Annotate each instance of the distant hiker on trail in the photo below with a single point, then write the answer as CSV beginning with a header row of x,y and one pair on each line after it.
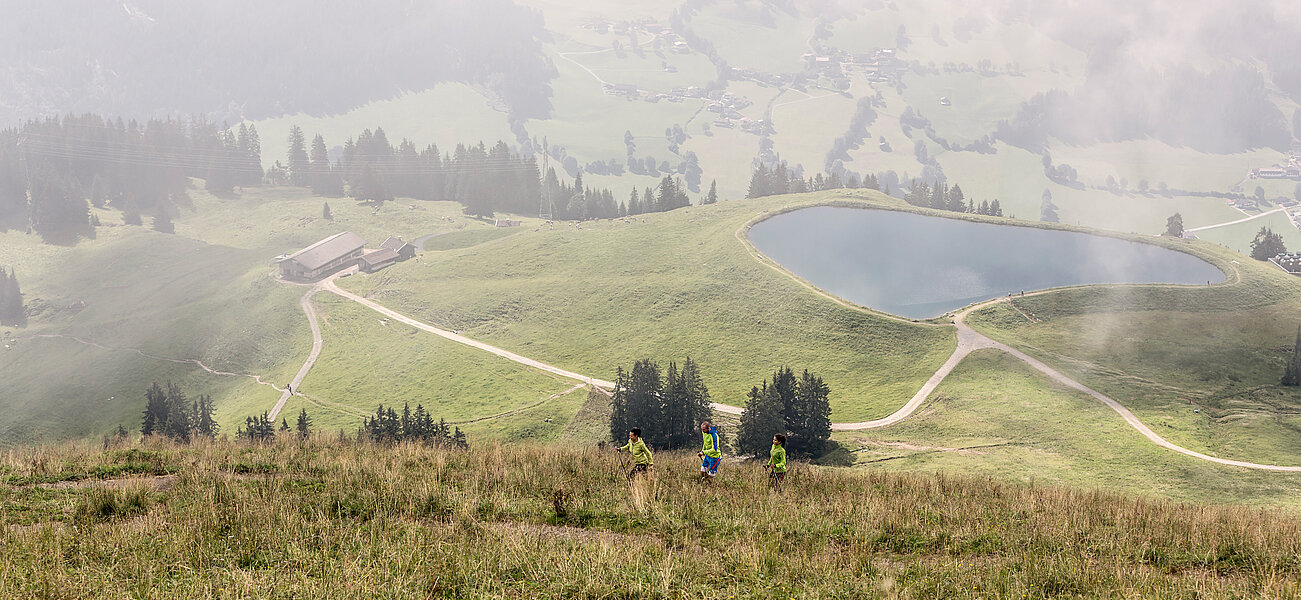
x,y
710,453
776,466
642,461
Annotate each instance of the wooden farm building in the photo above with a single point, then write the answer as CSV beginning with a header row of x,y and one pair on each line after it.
x,y
324,257
404,249
374,261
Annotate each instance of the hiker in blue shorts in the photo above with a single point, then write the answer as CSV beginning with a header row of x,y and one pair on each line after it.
x,y
710,453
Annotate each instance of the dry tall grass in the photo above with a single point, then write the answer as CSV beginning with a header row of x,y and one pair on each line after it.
x,y
324,519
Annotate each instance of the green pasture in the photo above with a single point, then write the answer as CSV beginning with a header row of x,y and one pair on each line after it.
x,y
590,124
743,38
1155,162
647,71
598,296
367,360
994,416
1199,365
808,124
1016,178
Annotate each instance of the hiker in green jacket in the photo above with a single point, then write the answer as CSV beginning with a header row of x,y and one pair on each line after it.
x,y
776,466
710,454
642,461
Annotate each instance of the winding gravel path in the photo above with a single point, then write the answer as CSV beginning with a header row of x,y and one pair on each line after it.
x,y
317,342
969,340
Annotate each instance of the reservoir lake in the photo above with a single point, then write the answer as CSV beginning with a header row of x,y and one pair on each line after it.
x,y
919,267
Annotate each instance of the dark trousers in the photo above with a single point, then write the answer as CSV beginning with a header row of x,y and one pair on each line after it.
x,y
637,470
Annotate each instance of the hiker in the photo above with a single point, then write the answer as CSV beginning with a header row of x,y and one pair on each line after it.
x,y
642,461
710,454
776,466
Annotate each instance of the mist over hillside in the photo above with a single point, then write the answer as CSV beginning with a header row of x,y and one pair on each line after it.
x,y
483,209
236,59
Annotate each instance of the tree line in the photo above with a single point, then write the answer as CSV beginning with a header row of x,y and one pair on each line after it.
x,y
669,405
779,179
942,197
387,426
765,181
485,180
262,428
11,299
53,171
168,413
666,405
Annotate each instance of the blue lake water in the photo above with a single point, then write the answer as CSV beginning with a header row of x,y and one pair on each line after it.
x,y
920,267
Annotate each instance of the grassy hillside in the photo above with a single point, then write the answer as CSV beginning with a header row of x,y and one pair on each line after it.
x,y
133,306
327,519
994,416
1199,365
594,296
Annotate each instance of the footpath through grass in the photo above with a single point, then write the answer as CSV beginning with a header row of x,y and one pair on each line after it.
x,y
324,519
995,416
1199,365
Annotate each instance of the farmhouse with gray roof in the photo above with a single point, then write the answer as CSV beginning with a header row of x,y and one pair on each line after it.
x,y
326,256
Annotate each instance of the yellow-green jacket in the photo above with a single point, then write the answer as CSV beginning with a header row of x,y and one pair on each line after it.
x,y
777,459
710,444
641,455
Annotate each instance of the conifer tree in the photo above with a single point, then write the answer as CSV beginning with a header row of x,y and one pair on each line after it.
x,y
178,423
712,196
304,425
810,420
995,209
1048,210
1267,244
759,184
204,423
163,221
12,311
284,424
761,419
325,212
300,166
1292,375
155,417
638,401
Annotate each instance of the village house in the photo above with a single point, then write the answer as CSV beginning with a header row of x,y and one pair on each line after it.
x,y
336,252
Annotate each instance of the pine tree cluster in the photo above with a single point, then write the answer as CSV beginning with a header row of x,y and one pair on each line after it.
x,y
11,300
1267,244
781,180
257,429
167,413
387,426
797,407
132,167
668,408
942,197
